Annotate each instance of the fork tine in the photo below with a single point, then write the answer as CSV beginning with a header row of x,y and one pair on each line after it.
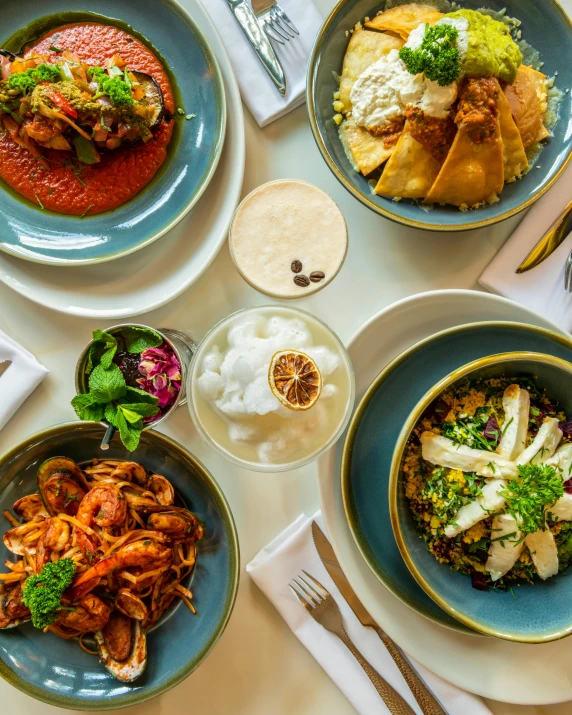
x,y
324,591
314,600
277,29
567,272
272,34
300,598
319,596
277,19
287,20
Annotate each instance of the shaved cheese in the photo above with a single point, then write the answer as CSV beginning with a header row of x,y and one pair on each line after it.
x,y
446,453
506,546
544,444
562,460
487,502
543,552
516,406
562,509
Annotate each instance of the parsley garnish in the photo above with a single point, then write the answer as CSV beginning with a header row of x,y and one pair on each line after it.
x,y
437,56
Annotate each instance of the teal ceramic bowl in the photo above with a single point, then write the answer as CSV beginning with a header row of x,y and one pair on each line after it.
x,y
544,25
59,672
29,232
540,612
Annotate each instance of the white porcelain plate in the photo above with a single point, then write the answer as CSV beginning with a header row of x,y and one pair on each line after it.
x,y
155,275
493,668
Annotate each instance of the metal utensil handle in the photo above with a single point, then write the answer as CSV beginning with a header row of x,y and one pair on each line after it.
x,y
395,703
427,701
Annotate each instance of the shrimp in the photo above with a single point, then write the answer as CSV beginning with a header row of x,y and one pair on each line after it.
x,y
105,506
54,539
90,615
140,554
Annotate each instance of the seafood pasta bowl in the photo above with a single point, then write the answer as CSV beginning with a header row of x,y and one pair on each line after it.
x,y
481,495
443,116
112,123
138,554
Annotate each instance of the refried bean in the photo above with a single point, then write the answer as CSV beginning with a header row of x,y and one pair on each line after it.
x,y
73,188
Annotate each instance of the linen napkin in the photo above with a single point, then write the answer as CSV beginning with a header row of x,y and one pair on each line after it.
x,y
542,287
282,560
17,382
257,89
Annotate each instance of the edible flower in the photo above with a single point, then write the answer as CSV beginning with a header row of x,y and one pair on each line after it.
x,y
161,373
437,56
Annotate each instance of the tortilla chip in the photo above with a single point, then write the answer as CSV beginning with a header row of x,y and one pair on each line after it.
x,y
515,160
472,173
528,100
364,49
403,18
368,151
410,172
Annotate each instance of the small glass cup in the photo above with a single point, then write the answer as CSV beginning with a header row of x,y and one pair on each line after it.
x,y
181,344
208,421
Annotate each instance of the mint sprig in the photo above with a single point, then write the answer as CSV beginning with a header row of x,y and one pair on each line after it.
x,y
109,397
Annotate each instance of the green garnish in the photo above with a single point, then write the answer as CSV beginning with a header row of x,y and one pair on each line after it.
x,y
43,592
88,209
190,116
109,396
26,81
53,48
437,56
469,430
40,204
447,496
539,486
116,88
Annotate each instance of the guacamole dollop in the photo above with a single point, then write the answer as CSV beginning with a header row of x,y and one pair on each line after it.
x,y
491,50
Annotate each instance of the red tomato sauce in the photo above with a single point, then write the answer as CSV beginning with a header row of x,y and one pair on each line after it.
x,y
75,188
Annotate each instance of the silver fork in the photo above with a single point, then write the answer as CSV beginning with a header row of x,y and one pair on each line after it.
x,y
323,609
274,20
568,274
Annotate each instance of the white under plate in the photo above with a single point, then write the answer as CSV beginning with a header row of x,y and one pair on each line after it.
x,y
155,275
493,668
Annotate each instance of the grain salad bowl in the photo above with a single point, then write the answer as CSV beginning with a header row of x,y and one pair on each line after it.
x,y
522,612
547,28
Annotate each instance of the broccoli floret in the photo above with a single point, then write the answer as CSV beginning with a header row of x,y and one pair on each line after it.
x,y
437,57
116,88
26,81
43,592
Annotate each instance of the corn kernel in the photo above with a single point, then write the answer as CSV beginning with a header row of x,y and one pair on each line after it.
x,y
337,95
338,118
338,106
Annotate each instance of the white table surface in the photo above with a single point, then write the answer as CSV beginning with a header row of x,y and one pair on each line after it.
x,y
258,667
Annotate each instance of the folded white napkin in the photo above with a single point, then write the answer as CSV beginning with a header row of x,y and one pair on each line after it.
x,y
282,560
17,381
257,89
542,287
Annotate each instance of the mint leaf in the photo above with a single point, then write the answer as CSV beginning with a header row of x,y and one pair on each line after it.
x,y
129,434
132,417
139,339
107,357
141,409
111,414
135,395
102,350
86,408
107,385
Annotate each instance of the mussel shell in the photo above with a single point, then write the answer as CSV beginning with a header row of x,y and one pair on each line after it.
x,y
130,604
64,469
5,621
30,506
153,95
130,669
184,525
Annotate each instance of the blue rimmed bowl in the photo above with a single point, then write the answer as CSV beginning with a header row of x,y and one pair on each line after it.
x,y
545,26
29,232
372,498
59,672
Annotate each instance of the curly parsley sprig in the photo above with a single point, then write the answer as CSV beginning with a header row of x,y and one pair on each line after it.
x,y
437,56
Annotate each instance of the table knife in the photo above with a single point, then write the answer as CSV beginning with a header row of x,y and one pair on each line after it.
x,y
259,41
427,701
555,235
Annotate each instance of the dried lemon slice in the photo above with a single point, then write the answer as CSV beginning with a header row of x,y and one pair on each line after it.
x,y
295,379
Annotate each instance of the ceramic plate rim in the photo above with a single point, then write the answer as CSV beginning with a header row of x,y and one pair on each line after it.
x,y
235,114
386,609
221,99
140,696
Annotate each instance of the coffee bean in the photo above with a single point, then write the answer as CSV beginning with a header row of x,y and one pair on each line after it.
x,y
302,281
296,266
317,276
